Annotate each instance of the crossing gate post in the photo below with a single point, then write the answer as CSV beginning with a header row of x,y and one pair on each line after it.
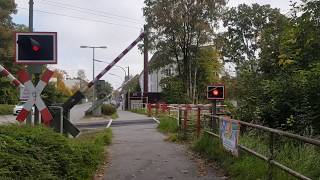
x,y
57,123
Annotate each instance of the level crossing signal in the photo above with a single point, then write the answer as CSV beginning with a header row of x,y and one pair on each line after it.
x,y
215,92
36,48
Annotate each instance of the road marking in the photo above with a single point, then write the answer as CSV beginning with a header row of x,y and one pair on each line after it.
x,y
156,120
109,124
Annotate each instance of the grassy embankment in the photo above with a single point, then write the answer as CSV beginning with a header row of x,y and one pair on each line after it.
x,y
40,153
6,109
300,157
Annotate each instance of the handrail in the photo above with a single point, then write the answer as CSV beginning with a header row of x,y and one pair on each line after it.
x,y
276,131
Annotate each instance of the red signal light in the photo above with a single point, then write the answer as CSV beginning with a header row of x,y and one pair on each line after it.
x,y
215,92
35,48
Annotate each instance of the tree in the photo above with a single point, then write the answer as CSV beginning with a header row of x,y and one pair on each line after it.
x,y
241,42
81,75
278,71
59,74
178,29
9,95
132,85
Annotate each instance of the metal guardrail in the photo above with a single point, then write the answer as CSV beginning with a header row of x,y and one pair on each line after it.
x,y
271,162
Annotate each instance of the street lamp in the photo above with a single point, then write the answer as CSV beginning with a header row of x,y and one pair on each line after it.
x,y
124,70
93,50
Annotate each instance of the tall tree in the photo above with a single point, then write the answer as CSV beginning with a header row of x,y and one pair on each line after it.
x,y
241,43
178,28
9,95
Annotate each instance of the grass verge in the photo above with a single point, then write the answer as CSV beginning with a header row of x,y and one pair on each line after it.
x,y
301,158
40,153
139,111
115,116
6,109
169,126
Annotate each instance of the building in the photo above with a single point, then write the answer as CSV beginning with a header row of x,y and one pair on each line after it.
x,y
156,75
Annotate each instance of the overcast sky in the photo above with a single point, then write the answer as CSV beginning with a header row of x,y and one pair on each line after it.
x,y
111,23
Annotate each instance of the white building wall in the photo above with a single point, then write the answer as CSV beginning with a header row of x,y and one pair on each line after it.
x,y
155,78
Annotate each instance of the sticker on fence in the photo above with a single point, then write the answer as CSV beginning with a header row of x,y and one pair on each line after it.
x,y
229,132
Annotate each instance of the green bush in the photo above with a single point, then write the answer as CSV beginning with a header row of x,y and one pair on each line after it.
x,y
40,153
6,109
108,109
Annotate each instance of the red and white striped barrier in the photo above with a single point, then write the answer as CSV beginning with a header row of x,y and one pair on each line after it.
x,y
105,70
35,97
4,72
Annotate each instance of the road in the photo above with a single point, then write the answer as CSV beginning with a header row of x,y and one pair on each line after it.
x,y
76,114
139,152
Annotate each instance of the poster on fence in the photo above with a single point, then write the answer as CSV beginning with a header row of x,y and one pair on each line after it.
x,y
229,133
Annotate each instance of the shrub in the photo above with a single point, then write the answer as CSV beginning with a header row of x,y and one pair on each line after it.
x,y
108,109
6,109
40,153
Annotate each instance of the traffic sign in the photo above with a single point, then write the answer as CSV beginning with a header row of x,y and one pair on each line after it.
x,y
215,92
34,97
36,48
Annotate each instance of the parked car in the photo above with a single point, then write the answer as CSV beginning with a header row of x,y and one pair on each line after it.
x,y
18,108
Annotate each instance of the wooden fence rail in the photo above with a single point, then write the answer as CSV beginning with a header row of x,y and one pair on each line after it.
x,y
184,113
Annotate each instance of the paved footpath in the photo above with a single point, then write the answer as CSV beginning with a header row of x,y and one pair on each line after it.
x,y
139,152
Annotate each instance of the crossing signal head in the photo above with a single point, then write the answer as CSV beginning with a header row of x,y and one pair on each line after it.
x,y
215,92
35,45
36,48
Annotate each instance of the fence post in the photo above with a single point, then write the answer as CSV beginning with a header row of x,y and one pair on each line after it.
x,y
169,110
179,118
149,109
198,122
271,151
185,119
157,109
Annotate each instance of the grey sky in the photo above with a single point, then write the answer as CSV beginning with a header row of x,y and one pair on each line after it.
x,y
117,28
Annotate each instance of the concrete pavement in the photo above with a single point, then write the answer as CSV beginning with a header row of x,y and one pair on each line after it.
x,y
139,152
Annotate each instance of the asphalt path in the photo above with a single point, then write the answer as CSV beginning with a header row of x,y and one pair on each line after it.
x,y
76,114
139,151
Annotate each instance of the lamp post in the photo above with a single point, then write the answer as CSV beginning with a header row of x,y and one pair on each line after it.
x,y
93,51
123,69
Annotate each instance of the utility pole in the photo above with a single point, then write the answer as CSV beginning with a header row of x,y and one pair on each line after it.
x,y
94,85
145,63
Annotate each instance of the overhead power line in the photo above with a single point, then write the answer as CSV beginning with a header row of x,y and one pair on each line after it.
x,y
80,18
92,10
